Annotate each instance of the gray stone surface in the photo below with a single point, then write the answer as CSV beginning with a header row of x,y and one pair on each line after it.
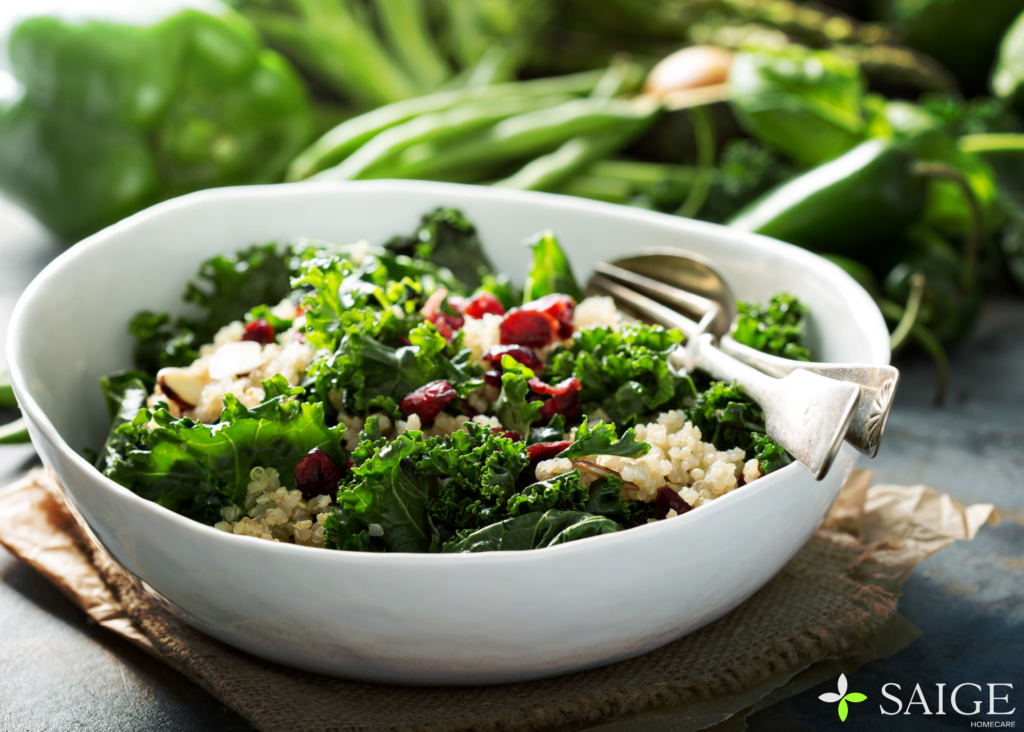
x,y
59,672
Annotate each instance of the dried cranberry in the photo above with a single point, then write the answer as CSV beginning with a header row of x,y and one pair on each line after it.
x,y
528,328
546,450
521,354
509,434
741,481
259,330
493,378
445,323
564,399
427,401
481,304
668,499
560,307
316,474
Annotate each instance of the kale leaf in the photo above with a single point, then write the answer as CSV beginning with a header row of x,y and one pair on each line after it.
x,y
606,500
477,472
769,454
553,431
125,394
195,469
343,531
512,407
446,238
776,328
624,372
601,440
225,288
564,492
726,416
531,531
551,272
388,490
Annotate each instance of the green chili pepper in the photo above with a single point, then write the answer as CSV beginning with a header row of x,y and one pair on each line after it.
x,y
116,116
854,205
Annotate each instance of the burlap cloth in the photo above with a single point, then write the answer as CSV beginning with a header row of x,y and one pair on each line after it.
x,y
828,602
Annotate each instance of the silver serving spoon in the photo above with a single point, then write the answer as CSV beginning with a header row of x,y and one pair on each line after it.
x,y
690,283
806,413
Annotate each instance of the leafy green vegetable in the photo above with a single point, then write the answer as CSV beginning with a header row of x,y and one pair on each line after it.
x,y
512,408
370,375
125,394
623,372
553,431
477,472
531,531
606,500
564,492
601,440
343,531
225,288
726,416
551,272
807,104
195,469
777,328
387,489
502,288
447,238
1008,75
769,454
746,171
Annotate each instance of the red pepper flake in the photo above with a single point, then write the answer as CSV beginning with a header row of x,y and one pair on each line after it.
x,y
558,306
528,328
427,401
317,474
259,330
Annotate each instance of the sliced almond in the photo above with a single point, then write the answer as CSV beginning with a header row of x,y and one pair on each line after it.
x,y
181,385
234,359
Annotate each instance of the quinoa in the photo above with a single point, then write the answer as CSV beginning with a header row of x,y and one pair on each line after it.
x,y
274,513
696,470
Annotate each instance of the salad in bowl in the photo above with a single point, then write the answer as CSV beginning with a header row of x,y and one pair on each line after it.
x,y
405,397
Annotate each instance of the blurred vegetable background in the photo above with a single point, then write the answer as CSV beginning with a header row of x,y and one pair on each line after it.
x,y
886,135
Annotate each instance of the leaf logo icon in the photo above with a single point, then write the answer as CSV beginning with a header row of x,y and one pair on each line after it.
x,y
842,697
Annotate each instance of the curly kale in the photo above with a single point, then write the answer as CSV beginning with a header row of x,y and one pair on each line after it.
x,y
769,454
777,328
532,531
726,416
447,239
601,440
225,289
197,469
477,473
624,372
513,409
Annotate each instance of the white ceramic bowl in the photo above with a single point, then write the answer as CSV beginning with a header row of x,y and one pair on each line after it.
x,y
409,618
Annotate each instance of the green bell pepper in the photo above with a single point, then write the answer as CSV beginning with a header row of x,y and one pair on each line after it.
x,y
114,117
853,205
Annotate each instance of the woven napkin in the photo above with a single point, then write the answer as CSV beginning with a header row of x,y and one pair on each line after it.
x,y
829,602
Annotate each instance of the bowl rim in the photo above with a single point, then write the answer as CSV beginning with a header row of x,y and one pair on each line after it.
x,y
877,338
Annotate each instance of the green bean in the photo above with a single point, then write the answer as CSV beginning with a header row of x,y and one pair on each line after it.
x,y
639,173
349,136
342,50
438,127
612,190
14,433
549,171
7,400
405,25
525,135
